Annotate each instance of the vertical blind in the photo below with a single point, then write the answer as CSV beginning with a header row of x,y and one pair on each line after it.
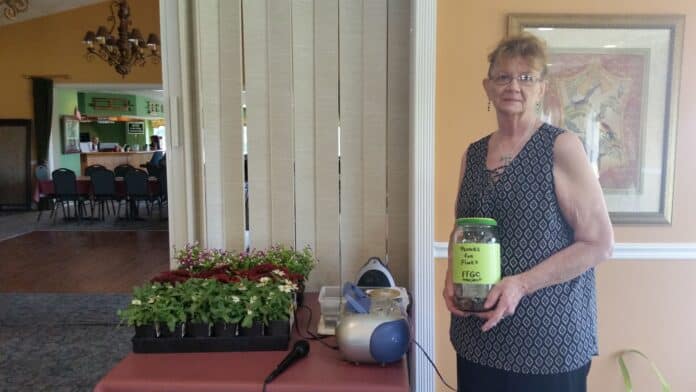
x,y
316,92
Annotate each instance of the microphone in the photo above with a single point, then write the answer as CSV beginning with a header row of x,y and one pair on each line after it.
x,y
299,351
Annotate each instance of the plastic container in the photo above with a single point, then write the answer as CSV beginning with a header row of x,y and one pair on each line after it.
x,y
475,262
330,302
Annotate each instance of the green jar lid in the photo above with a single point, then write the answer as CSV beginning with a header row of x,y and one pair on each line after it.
x,y
477,221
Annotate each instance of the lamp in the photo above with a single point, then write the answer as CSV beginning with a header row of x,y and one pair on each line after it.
x,y
128,48
12,7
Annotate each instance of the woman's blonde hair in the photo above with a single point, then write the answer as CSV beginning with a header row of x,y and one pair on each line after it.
x,y
524,45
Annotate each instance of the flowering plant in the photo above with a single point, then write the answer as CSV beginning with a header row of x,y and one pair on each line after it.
x,y
227,304
194,258
157,303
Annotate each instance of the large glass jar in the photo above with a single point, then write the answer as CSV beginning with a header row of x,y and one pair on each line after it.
x,y
475,262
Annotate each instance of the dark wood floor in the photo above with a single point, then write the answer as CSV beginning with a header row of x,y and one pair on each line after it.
x,y
82,261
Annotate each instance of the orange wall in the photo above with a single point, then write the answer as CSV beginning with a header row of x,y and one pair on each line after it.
x,y
642,304
53,45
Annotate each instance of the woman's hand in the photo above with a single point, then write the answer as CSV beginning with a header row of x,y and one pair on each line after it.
x,y
505,296
448,294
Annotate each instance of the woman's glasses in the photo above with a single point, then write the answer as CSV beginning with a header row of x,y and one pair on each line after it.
x,y
522,80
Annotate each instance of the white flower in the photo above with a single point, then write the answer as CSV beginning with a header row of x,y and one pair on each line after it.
x,y
151,300
278,272
241,287
136,302
252,299
235,299
265,279
250,312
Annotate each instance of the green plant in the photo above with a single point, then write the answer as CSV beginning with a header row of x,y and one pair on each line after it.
x,y
157,303
196,295
140,310
227,303
299,262
277,299
252,299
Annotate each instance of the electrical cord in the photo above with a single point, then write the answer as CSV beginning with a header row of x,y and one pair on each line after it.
x,y
404,314
433,365
311,336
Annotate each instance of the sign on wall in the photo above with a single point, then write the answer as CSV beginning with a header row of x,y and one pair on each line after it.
x,y
136,128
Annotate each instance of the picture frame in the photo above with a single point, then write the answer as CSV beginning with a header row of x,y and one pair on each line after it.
x,y
70,134
614,81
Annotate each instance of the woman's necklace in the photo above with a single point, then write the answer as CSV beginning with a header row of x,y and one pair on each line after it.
x,y
507,157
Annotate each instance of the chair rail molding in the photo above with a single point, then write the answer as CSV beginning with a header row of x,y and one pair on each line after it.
x,y
625,251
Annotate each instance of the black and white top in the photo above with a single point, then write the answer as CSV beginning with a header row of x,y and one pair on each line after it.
x,y
553,330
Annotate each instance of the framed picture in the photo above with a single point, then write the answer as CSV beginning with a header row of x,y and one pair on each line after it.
x,y
70,129
614,81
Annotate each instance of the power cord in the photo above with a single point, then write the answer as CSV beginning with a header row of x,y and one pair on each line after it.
x,y
404,314
311,336
433,365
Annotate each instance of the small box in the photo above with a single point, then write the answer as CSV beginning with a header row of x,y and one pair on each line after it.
x,y
330,301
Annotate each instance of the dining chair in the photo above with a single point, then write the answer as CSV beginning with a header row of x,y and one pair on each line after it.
x,y
65,192
92,168
123,169
103,191
137,190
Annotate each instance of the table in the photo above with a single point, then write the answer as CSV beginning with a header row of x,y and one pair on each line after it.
x,y
322,370
84,187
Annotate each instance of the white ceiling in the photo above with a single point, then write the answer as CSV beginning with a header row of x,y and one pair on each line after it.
x,y
39,8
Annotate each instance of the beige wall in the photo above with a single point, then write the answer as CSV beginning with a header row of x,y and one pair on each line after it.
x,y
53,45
642,304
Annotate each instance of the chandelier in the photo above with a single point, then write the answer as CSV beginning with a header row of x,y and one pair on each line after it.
x,y
125,50
13,7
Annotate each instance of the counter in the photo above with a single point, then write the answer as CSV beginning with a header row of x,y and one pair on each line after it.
x,y
112,159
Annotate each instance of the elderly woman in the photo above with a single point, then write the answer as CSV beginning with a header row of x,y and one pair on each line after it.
x,y
535,180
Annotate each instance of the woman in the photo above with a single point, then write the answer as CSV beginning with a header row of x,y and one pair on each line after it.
x,y
536,181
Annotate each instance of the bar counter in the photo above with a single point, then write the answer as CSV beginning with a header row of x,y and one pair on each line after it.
x,y
112,159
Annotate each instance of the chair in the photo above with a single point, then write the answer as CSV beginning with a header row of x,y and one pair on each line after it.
x,y
92,168
162,195
137,189
65,191
122,170
46,201
103,190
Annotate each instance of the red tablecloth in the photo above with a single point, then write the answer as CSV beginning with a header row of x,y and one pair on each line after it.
x,y
84,187
322,370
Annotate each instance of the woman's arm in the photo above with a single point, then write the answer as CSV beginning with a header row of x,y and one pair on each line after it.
x,y
582,205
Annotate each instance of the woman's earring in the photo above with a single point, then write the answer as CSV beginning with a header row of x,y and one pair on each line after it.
x,y
489,106
538,107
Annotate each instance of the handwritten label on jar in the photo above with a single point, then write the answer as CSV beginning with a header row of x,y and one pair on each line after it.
x,y
476,263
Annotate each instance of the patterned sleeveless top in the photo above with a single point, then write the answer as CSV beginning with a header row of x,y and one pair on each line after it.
x,y
553,330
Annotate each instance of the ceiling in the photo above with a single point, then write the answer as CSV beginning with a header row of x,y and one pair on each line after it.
x,y
39,8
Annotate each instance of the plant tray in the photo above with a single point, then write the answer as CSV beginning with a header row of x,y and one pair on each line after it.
x,y
210,344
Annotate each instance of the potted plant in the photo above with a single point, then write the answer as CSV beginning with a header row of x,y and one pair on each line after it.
x,y
227,308
252,319
277,305
140,313
196,296
155,305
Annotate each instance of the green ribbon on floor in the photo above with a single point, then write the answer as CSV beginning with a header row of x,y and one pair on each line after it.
x,y
627,376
